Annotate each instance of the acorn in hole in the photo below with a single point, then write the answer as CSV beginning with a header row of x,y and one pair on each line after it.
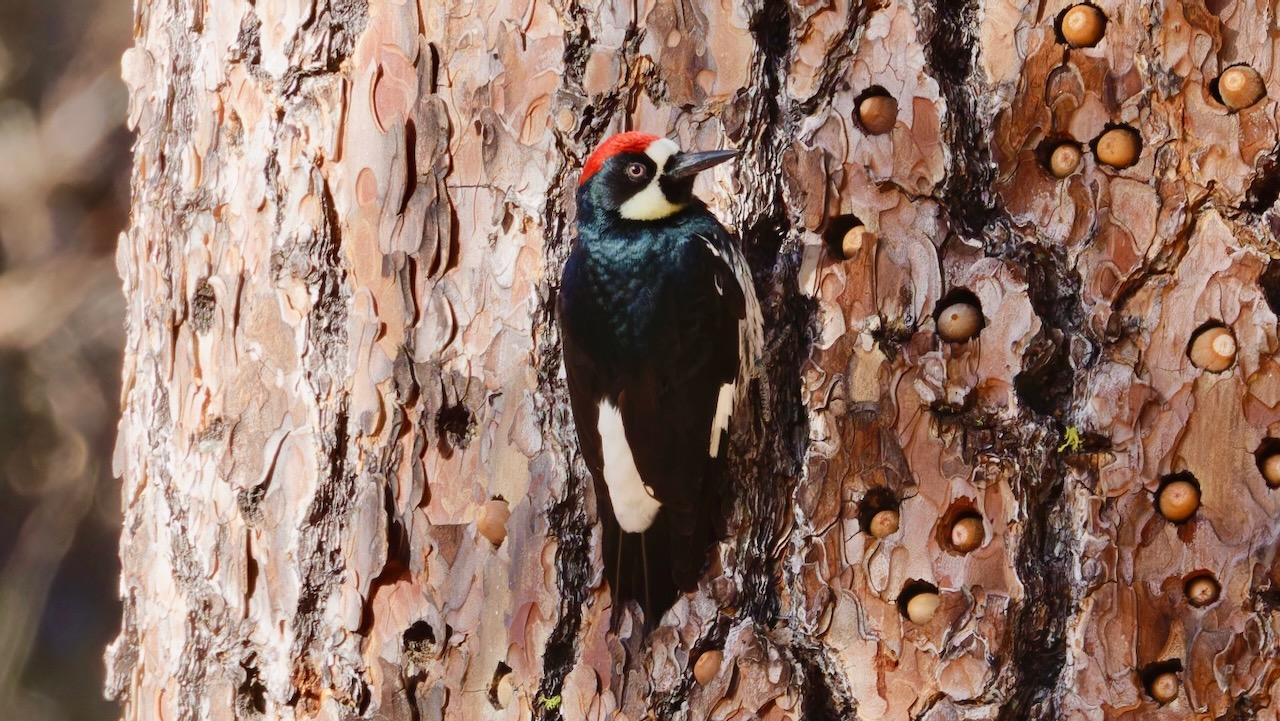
x,y
1213,349
503,691
1118,147
1271,470
1202,590
855,240
1064,160
1178,500
967,534
1164,687
1240,86
884,523
707,665
1082,26
959,322
878,113
922,606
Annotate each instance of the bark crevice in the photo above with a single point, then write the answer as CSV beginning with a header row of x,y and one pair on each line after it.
x,y
567,519
948,27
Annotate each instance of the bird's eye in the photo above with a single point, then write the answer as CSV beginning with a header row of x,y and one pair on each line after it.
x,y
637,170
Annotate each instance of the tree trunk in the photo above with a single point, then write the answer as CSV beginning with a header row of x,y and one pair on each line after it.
x,y
342,367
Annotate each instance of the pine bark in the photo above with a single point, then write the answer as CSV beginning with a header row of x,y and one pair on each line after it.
x,y
342,365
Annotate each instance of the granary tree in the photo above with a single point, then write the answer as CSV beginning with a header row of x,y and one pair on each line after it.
x,y
1015,261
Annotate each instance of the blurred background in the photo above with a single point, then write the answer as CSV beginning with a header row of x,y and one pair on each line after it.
x,y
64,194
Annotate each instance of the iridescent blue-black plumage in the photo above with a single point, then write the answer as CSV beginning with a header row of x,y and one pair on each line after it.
x,y
659,321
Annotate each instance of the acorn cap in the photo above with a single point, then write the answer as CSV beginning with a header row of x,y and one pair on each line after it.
x,y
1240,86
1083,26
878,113
1178,500
959,322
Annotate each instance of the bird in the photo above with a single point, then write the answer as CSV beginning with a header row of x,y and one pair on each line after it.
x,y
662,337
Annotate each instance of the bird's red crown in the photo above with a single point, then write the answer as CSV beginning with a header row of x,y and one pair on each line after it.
x,y
629,142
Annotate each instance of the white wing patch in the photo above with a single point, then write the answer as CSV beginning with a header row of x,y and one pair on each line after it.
x,y
633,502
751,328
724,409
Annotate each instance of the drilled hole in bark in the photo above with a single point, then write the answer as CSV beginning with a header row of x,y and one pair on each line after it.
x,y
961,530
833,236
203,301
878,501
1080,26
1212,347
1178,497
1060,156
877,110
1267,456
419,643
1160,680
958,316
455,423
918,601
1201,589
500,687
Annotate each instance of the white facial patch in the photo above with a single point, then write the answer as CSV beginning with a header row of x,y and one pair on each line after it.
x,y
660,151
724,409
651,203
633,503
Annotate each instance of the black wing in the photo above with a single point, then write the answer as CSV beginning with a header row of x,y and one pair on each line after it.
x,y
668,389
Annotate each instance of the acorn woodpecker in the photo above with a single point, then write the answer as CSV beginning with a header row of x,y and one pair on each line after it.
x,y
662,337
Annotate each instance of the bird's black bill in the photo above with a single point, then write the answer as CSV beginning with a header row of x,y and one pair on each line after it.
x,y
685,164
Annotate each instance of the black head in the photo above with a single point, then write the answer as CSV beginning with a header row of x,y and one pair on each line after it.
x,y
640,176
